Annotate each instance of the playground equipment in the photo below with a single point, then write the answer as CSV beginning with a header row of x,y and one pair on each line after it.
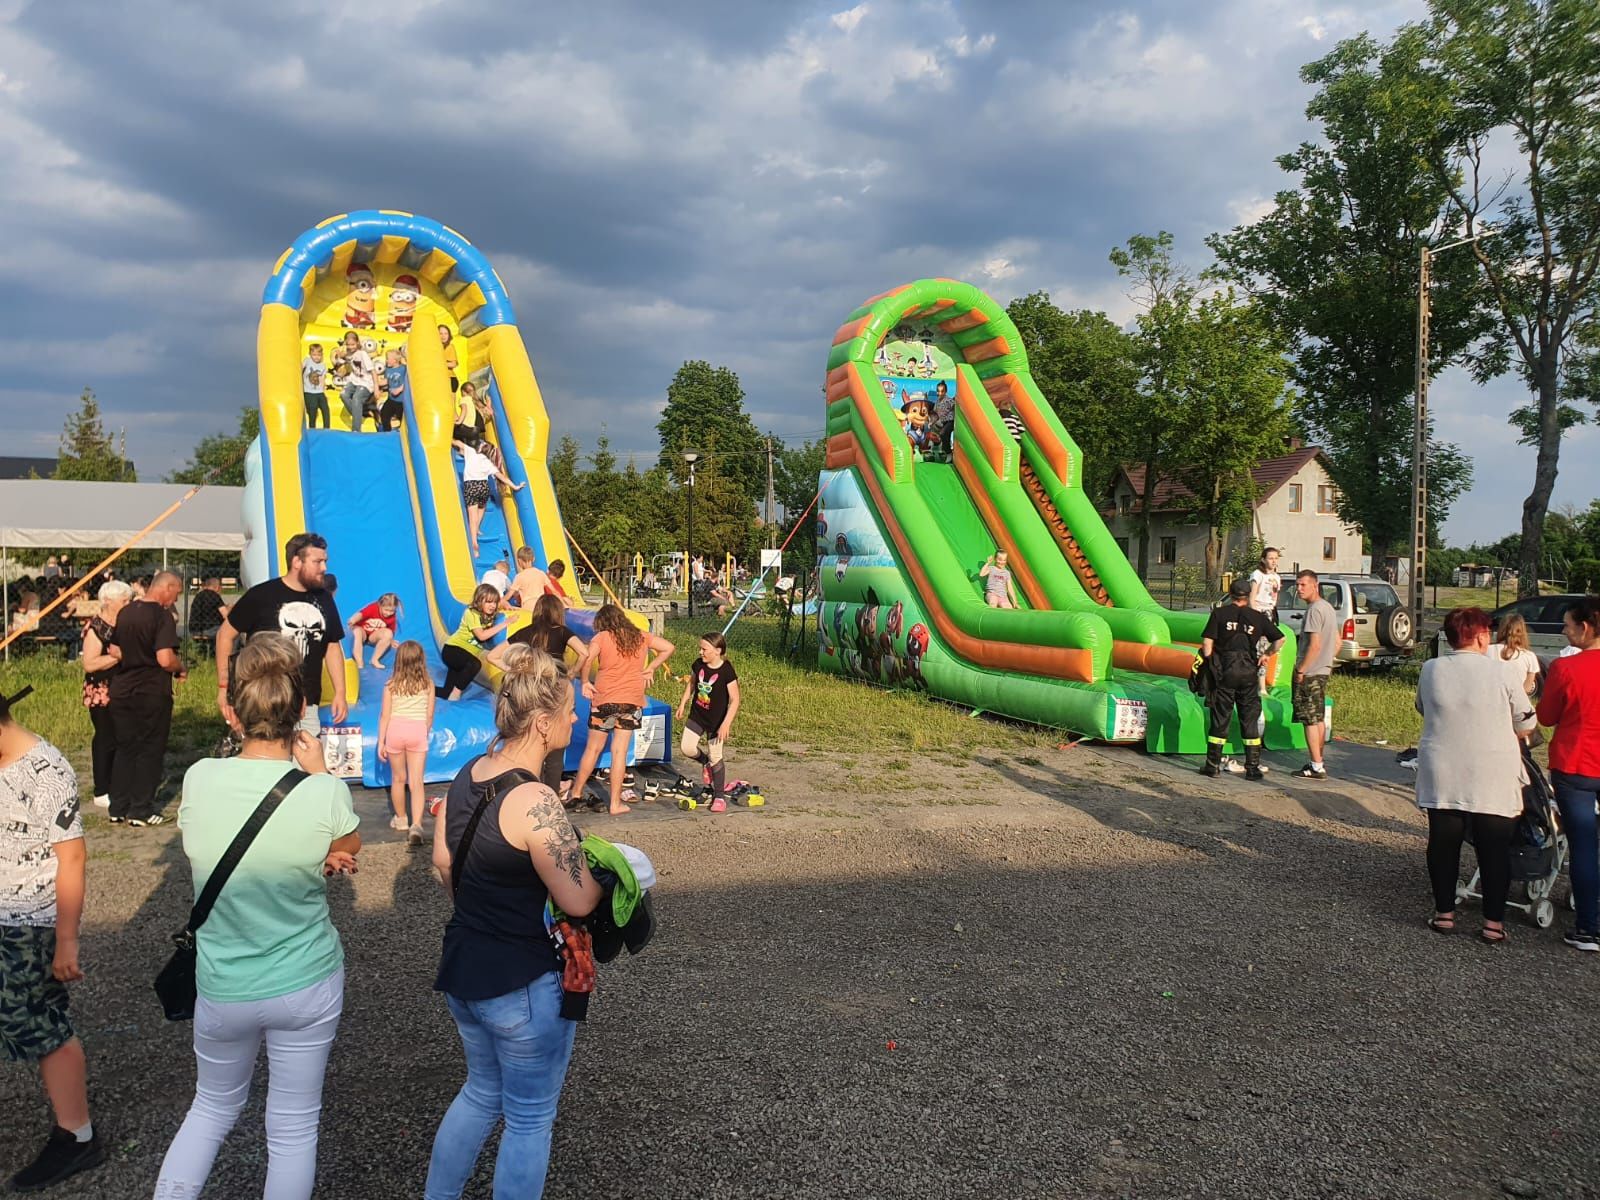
x,y
903,530
389,504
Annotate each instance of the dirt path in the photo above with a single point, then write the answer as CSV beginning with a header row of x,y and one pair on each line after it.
x,y
1081,972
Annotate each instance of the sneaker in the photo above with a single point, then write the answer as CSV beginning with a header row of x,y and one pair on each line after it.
x,y
1311,771
718,805
158,819
433,805
414,836
135,823
399,824
63,1155
1579,940
1232,766
118,820
102,801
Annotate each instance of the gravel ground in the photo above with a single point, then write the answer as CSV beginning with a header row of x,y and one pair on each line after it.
x,y
1077,973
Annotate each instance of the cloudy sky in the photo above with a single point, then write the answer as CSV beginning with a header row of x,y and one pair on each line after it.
x,y
710,179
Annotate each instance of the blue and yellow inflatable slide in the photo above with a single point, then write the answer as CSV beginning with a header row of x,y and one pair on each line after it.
x,y
411,293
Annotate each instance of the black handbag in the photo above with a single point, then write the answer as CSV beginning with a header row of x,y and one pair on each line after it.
x,y
175,985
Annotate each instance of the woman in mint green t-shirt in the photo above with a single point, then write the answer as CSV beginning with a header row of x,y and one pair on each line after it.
x,y
270,965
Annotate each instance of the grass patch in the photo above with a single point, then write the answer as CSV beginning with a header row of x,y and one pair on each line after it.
x,y
785,700
55,712
1376,705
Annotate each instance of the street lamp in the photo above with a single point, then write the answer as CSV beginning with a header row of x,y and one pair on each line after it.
x,y
1419,428
690,457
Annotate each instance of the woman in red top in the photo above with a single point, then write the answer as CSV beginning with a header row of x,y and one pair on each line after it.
x,y
1571,704
622,652
376,623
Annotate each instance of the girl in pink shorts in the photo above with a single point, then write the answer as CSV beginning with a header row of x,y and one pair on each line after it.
x,y
403,729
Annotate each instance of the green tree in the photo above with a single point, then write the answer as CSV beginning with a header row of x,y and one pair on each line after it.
x,y
724,517
795,477
219,458
1088,369
565,481
705,411
1477,76
1232,406
1164,292
87,450
1334,266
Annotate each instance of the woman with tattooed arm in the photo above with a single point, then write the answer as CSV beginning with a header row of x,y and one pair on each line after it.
x,y
502,845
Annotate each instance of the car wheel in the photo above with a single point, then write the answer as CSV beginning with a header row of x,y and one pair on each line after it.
x,y
1395,629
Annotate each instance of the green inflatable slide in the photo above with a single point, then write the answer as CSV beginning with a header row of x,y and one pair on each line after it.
x,y
941,455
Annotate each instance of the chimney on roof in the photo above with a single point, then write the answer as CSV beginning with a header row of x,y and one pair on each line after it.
x,y
1293,442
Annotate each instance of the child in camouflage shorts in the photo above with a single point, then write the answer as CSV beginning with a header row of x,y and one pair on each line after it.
x,y
41,901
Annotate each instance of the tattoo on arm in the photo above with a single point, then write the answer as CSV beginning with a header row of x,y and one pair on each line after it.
x,y
561,840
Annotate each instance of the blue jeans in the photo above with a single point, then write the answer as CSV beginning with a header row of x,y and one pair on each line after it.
x,y
517,1046
1575,797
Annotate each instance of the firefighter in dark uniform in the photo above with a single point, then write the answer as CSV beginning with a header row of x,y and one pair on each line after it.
x,y
1229,648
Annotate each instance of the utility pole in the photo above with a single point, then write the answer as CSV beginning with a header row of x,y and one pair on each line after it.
x,y
1419,428
1419,445
772,532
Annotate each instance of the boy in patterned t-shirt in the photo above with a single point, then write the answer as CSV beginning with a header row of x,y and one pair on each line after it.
x,y
41,902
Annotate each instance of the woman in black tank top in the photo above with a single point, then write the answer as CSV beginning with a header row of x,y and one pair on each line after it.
x,y
503,846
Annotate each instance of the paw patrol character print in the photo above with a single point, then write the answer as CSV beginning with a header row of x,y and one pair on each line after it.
x,y
360,295
895,621
403,299
914,414
916,650
867,633
823,643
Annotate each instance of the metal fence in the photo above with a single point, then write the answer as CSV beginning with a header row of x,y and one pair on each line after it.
x,y
781,623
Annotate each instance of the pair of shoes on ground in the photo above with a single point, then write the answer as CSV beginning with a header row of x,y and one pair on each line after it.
x,y
139,822
63,1155
1580,940
414,836
1235,766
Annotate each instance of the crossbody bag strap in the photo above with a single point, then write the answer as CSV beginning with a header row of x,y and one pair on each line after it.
x,y
241,843
458,860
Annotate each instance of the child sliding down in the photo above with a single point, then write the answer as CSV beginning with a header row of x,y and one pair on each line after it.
x,y
709,705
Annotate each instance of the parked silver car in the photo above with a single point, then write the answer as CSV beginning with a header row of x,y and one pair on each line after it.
x,y
1544,616
1375,627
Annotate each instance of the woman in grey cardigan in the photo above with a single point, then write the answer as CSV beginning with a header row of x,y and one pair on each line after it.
x,y
1469,768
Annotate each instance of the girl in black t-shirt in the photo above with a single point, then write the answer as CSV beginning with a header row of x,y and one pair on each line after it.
x,y
709,705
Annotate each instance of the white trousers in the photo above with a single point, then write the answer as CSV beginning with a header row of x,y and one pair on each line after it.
x,y
298,1029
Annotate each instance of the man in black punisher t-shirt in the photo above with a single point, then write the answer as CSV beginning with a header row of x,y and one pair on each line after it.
x,y
1229,646
298,607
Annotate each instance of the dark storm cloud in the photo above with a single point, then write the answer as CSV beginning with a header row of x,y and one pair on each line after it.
x,y
715,179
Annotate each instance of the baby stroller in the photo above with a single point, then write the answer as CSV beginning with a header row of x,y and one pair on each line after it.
x,y
1538,849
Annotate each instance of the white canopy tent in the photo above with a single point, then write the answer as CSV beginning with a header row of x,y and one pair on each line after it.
x,y
60,514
